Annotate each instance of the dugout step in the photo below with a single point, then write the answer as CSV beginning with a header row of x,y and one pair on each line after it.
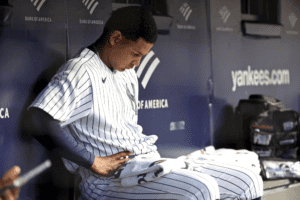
x,y
281,189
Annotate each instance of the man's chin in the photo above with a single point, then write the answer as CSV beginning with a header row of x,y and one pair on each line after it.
x,y
121,69
129,67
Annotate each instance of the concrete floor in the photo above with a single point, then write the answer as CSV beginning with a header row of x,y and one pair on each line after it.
x,y
281,190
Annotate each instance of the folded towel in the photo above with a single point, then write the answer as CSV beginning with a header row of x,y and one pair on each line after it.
x,y
138,171
242,158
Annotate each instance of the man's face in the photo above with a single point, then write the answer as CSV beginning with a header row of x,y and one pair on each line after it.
x,y
127,54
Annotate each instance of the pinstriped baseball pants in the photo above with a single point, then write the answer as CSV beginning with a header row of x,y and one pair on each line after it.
x,y
208,182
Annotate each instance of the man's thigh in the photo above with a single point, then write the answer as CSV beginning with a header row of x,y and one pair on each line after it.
x,y
182,184
234,181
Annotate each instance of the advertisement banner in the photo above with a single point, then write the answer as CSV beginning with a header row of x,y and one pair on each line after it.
x,y
225,16
86,20
290,15
38,14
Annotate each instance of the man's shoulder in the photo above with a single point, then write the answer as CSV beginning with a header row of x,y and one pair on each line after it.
x,y
84,57
80,61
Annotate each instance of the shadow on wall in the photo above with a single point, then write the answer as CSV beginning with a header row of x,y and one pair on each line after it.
x,y
55,182
225,127
57,179
298,105
199,123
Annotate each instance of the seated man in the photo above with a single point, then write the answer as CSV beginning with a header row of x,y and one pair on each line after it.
x,y
88,115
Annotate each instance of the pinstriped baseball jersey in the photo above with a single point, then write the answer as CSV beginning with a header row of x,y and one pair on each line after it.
x,y
97,106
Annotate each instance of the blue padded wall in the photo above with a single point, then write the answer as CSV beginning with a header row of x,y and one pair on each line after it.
x,y
237,58
197,61
180,79
33,46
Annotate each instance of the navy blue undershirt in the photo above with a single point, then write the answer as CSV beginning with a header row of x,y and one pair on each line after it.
x,y
53,137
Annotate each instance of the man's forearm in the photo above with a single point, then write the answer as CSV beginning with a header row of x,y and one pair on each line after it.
x,y
52,136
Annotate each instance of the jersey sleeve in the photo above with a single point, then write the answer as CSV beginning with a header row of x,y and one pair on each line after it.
x,y
68,97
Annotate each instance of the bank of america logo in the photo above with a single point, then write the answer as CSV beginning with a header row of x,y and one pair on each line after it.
x,y
293,19
150,70
90,5
186,11
38,4
225,14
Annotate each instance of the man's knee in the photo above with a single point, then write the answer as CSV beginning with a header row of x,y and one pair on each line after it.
x,y
255,184
204,186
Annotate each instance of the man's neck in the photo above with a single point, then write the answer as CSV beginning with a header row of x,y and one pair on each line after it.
x,y
101,52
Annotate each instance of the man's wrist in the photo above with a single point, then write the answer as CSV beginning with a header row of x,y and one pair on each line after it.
x,y
92,161
93,166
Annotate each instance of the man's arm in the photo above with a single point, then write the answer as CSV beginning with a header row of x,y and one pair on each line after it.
x,y
53,137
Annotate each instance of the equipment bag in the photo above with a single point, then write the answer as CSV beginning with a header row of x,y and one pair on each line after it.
x,y
276,168
246,110
274,134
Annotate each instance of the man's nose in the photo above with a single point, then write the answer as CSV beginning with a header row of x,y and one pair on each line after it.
x,y
136,62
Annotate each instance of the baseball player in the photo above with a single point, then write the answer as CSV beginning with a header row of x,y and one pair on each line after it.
x,y
88,115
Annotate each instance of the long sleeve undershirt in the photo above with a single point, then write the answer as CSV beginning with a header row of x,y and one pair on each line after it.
x,y
53,137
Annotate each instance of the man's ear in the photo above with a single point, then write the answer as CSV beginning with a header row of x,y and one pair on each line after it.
x,y
115,37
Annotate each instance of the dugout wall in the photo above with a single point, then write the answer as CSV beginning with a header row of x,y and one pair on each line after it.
x,y
253,52
190,82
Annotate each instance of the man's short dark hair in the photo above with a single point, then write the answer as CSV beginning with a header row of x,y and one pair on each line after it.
x,y
133,22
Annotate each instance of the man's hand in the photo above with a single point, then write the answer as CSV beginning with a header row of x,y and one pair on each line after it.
x,y
107,166
8,178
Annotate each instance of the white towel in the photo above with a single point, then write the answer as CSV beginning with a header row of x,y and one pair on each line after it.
x,y
145,168
138,170
242,158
